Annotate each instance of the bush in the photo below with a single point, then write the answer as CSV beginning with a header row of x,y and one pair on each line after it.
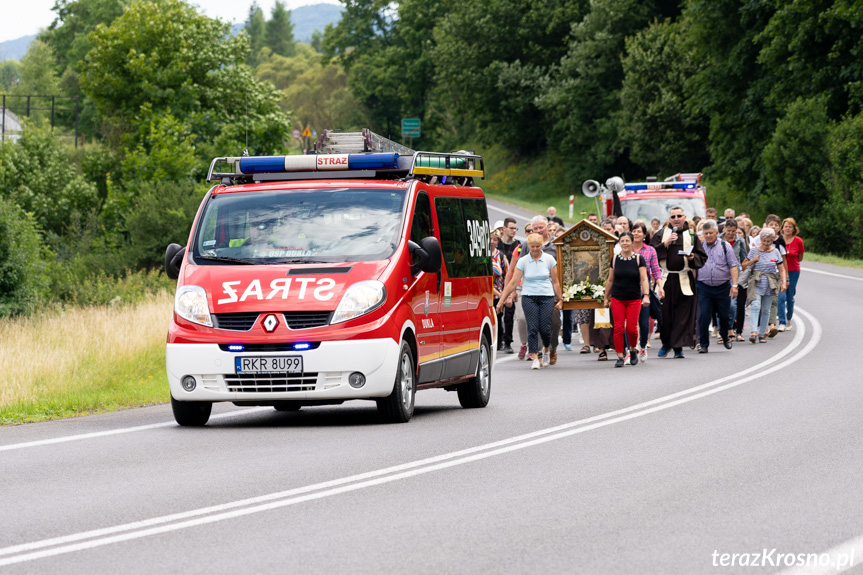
x,y
22,269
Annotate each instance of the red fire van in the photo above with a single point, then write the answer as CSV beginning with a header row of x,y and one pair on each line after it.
x,y
360,272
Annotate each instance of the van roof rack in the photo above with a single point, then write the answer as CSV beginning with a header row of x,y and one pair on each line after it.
x,y
362,154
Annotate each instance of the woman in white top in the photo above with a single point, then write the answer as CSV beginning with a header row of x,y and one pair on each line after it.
x,y
540,297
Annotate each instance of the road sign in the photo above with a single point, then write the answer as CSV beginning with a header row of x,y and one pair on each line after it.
x,y
295,134
307,133
410,127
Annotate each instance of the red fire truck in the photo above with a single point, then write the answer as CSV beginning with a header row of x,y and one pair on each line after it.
x,y
362,271
651,198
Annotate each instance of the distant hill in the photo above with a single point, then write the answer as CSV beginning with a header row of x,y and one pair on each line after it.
x,y
306,20
15,49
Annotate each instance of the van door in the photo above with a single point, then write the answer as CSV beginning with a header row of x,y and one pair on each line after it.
x,y
464,234
425,299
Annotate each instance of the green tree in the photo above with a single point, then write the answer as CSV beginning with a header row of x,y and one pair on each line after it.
x,y
36,174
38,73
280,31
581,94
796,159
10,73
164,54
839,226
731,87
814,47
68,34
22,267
488,62
256,28
663,134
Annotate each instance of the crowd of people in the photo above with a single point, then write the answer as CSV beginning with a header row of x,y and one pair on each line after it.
x,y
685,281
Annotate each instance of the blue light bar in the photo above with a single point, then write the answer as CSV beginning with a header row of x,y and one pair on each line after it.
x,y
659,186
298,346
236,347
261,164
373,161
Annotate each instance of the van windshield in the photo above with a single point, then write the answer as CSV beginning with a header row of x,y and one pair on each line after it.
x,y
646,209
300,226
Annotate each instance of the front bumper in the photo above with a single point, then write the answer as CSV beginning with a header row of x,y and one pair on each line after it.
x,y
325,372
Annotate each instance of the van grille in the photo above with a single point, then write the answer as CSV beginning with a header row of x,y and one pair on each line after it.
x,y
242,321
307,319
270,382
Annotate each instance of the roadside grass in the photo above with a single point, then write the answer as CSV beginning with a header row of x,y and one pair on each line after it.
x,y
531,183
84,360
831,259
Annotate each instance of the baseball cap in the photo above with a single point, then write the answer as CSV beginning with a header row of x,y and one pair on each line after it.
x,y
497,224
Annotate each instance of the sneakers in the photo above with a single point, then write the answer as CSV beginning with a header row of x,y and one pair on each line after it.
x,y
642,355
535,364
781,327
662,352
620,362
552,357
567,347
633,356
523,351
507,348
789,327
543,357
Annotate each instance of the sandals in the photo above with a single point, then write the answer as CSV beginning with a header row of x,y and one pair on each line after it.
x,y
740,338
762,338
752,338
585,349
603,356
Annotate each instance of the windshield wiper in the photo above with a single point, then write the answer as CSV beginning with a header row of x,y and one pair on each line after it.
x,y
226,259
301,261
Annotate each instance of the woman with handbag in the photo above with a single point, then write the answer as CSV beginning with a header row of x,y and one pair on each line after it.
x,y
626,293
654,276
766,282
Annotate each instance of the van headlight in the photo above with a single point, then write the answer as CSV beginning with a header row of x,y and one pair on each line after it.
x,y
190,303
360,299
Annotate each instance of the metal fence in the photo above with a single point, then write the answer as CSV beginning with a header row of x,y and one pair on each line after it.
x,y
62,110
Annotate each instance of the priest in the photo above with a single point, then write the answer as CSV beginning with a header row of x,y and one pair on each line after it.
x,y
680,254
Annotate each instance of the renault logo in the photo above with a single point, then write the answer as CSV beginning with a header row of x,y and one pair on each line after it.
x,y
271,322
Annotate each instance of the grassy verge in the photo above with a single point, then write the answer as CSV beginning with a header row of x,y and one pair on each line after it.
x,y
533,184
835,260
83,361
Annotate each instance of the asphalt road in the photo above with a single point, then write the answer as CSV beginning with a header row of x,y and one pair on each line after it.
x,y
577,468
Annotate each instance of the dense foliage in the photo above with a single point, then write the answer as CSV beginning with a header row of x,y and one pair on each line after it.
x,y
761,96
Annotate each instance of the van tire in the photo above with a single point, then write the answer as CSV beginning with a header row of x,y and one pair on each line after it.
x,y
191,413
398,407
476,391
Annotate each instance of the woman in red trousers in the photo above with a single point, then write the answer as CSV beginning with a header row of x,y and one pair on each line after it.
x,y
627,289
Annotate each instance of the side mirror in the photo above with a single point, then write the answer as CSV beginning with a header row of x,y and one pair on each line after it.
x,y
432,248
173,260
427,255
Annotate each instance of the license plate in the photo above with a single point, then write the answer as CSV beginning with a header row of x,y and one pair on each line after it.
x,y
269,364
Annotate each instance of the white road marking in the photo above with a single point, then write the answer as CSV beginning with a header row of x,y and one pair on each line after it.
x,y
507,212
810,270
118,431
203,516
850,551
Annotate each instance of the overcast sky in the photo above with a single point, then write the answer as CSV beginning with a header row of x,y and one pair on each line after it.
x,y
25,17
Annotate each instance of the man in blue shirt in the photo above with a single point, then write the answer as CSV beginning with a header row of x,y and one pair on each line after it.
x,y
717,284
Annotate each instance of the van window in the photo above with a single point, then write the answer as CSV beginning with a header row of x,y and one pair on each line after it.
x,y
300,226
464,233
422,225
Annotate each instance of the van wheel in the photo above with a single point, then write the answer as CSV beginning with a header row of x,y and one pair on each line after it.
x,y
476,391
191,413
398,407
